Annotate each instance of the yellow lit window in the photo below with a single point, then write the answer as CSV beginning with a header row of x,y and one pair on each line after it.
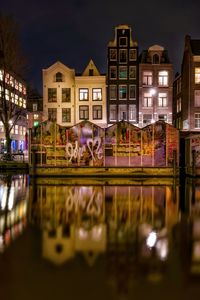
x,y
197,75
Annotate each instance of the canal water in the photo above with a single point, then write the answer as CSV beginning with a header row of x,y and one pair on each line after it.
x,y
117,238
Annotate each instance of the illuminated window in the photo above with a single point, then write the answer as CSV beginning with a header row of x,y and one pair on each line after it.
x,y
122,112
24,103
7,94
132,92
132,112
132,54
96,94
113,112
197,75
197,120
83,94
59,77
20,101
16,99
34,106
122,92
52,94
132,72
66,95
113,72
35,116
178,105
97,112
1,75
147,78
113,54
163,78
123,56
122,72
197,98
52,114
83,112
162,99
123,41
20,87
20,130
147,100
66,114
16,129
113,92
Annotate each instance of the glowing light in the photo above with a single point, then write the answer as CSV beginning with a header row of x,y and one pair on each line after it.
x,y
83,234
162,249
152,92
96,233
151,239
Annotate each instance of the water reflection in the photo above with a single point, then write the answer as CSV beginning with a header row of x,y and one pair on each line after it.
x,y
13,207
136,234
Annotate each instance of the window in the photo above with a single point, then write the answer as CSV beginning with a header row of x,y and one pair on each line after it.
x,y
83,95
113,112
178,105
147,118
59,77
113,72
66,114
132,72
156,59
147,101
97,112
96,94
147,78
52,95
35,116
52,114
197,75
162,99
197,98
122,112
162,118
163,78
132,92
132,112
122,92
123,41
122,72
34,106
132,54
16,129
123,56
113,92
197,120
83,112
113,54
66,95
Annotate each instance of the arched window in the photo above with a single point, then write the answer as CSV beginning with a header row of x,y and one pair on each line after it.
x,y
59,77
156,59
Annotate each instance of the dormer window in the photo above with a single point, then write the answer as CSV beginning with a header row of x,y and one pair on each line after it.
x,y
91,72
156,59
59,77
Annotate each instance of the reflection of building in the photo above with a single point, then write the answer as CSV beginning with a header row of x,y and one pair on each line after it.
x,y
70,98
155,86
62,243
15,92
13,208
122,77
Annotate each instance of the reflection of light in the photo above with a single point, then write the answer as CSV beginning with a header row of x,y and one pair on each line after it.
x,y
11,198
196,251
151,239
162,248
4,196
96,233
1,243
83,234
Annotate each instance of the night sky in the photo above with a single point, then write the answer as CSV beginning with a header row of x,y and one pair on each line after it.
x,y
73,31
